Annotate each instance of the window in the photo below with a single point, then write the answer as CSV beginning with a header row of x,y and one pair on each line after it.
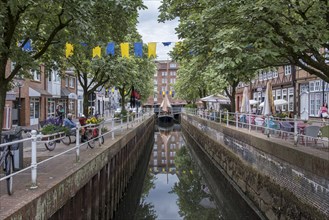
x,y
155,162
269,75
275,74
155,82
291,99
35,74
287,70
34,108
71,106
72,82
284,96
318,86
164,73
312,84
51,107
12,66
172,65
315,103
278,94
264,76
304,87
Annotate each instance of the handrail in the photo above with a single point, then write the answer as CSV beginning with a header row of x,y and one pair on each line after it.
x,y
265,124
36,138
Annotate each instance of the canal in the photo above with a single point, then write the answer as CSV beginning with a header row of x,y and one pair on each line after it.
x,y
178,181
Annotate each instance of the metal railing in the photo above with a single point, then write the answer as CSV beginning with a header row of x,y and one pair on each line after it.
x,y
273,127
115,124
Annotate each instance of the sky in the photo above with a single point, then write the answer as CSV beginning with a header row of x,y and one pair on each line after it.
x,y
152,31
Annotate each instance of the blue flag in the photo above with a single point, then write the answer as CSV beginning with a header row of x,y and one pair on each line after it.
x,y
138,48
27,46
110,48
166,43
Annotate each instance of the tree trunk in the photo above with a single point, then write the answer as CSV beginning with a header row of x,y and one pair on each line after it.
x,y
232,98
122,94
3,92
85,103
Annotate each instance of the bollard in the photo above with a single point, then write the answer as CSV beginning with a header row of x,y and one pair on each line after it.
x,y
34,160
112,128
227,118
77,142
295,130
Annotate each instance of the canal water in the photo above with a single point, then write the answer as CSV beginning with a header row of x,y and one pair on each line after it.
x,y
179,182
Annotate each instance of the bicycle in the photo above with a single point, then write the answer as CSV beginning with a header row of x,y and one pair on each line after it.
x,y
50,145
7,157
92,134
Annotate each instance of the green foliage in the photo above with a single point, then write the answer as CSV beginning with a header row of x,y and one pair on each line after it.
x,y
254,34
52,129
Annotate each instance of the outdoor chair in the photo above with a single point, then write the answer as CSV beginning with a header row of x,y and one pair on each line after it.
x,y
272,125
285,128
325,134
311,132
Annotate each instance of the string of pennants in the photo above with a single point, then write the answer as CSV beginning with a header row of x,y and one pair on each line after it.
x,y
124,47
109,50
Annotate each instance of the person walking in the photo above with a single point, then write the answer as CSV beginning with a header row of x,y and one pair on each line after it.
x,y
324,112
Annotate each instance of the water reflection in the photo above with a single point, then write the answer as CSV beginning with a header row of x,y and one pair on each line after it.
x,y
174,188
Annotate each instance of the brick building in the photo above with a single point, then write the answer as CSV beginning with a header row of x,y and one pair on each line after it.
x,y
40,95
164,78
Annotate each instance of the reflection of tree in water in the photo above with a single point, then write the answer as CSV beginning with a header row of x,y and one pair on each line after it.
x,y
146,210
190,189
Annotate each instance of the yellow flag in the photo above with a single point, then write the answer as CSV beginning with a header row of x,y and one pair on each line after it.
x,y
68,50
97,51
152,49
124,49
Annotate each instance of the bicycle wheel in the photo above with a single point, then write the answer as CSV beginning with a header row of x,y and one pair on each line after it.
x,y
9,170
50,145
66,140
102,139
91,139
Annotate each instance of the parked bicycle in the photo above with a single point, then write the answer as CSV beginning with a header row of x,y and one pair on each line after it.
x,y
92,134
7,157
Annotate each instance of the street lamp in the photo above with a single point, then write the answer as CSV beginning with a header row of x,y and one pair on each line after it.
x,y
19,84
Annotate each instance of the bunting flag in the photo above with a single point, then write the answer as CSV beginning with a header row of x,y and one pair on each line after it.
x,y
27,46
138,49
112,90
84,44
97,52
166,44
124,49
110,49
68,50
152,49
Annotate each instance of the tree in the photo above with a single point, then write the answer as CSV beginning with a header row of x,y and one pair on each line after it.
x,y
275,32
42,23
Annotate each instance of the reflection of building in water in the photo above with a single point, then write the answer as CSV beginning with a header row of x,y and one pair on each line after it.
x,y
166,144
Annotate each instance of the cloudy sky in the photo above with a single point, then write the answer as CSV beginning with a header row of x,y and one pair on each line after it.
x,y
152,31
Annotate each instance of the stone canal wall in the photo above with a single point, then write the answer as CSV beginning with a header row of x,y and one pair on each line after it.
x,y
283,182
93,189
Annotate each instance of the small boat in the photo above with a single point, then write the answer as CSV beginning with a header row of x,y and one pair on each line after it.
x,y
165,112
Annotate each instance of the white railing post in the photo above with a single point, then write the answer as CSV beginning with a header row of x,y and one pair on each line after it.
x,y
268,126
226,117
127,121
100,134
34,160
249,122
121,124
77,141
220,116
295,130
236,119
112,128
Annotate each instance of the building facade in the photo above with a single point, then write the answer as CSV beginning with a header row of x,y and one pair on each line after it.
x,y
164,79
304,92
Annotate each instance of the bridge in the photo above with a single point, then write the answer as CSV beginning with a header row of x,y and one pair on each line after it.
x,y
273,172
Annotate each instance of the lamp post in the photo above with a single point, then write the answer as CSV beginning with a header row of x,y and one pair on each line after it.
x,y
19,83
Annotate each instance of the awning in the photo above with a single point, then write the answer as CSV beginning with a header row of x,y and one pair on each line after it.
x,y
36,92
72,96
